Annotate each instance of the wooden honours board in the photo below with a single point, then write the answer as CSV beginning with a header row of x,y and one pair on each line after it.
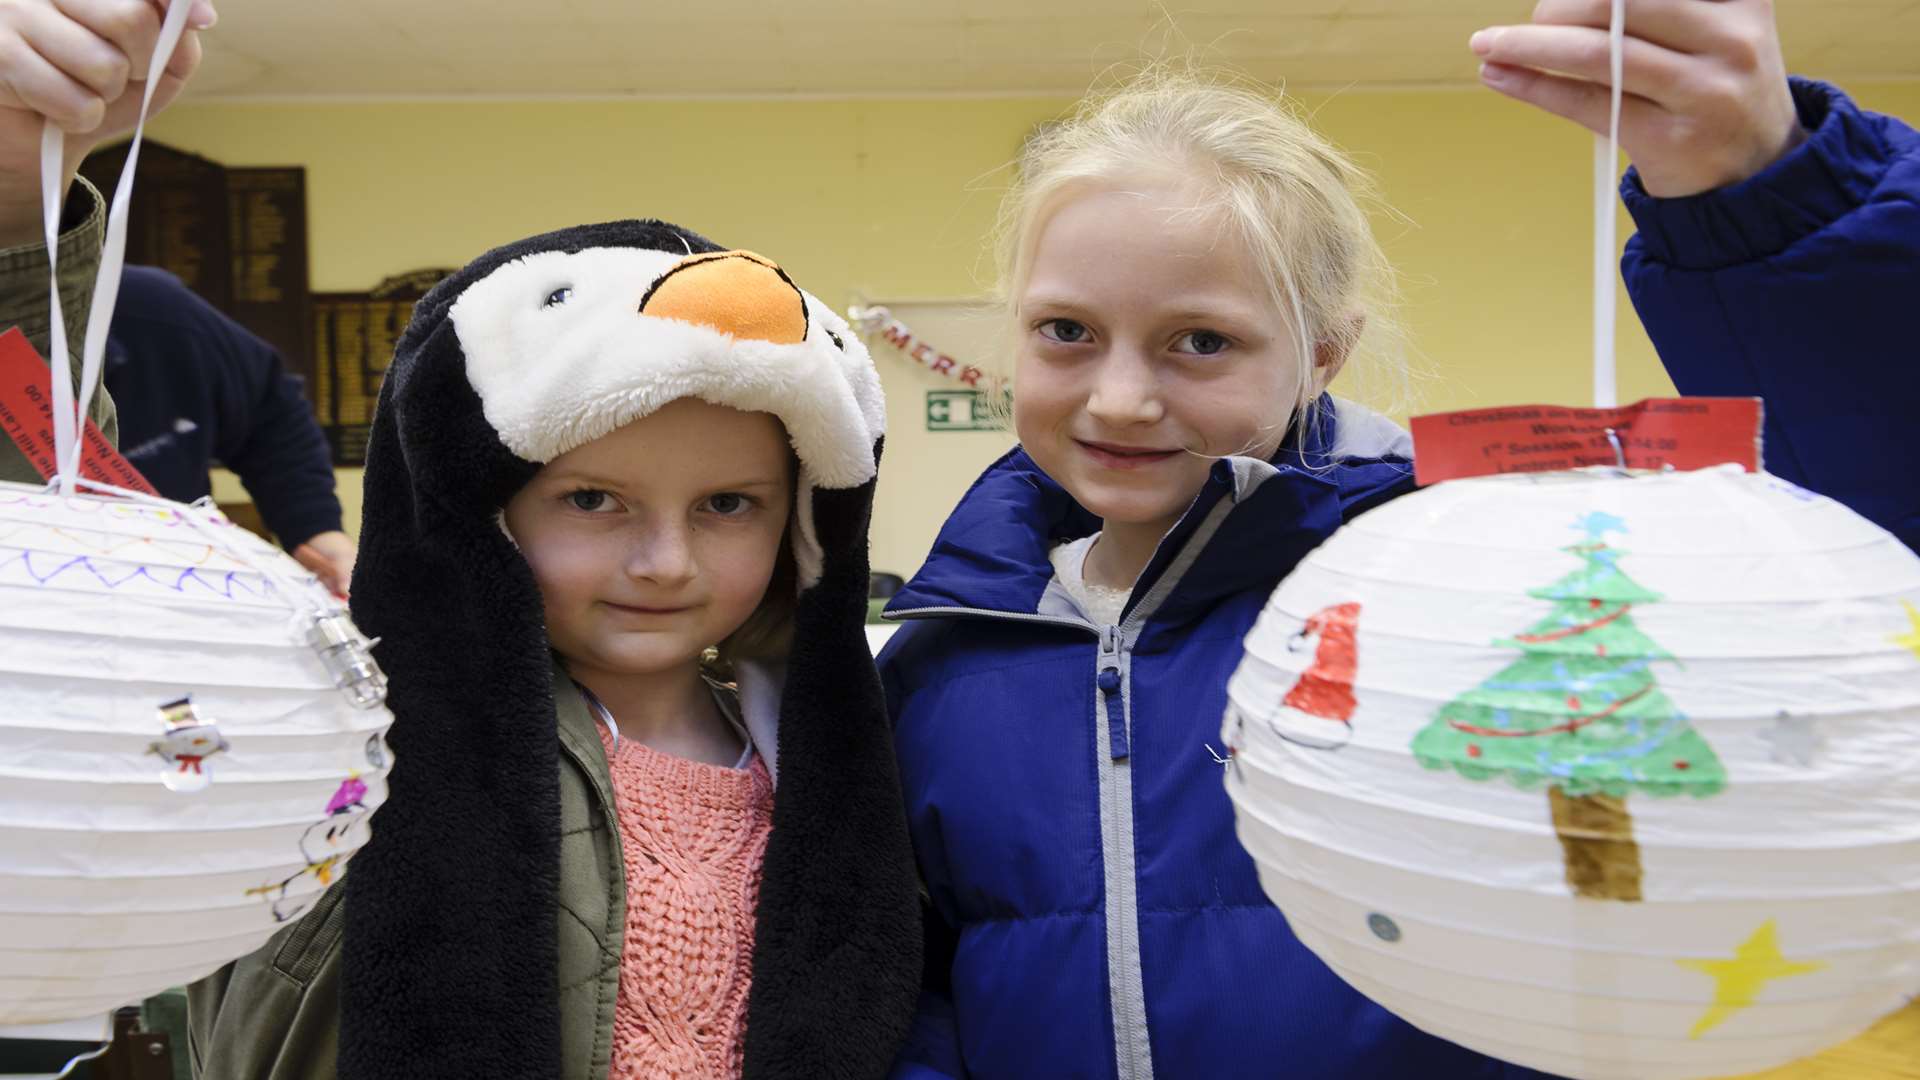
x,y
267,230
353,339
236,237
178,220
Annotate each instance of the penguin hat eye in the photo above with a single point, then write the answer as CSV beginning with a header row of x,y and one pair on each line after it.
x,y
837,343
559,296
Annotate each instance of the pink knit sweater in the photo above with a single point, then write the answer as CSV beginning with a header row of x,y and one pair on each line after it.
x,y
693,836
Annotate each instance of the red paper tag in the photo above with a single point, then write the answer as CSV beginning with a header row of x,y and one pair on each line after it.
x,y
1684,433
26,413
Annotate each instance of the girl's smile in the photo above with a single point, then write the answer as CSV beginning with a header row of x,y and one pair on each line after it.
x,y
636,609
1115,456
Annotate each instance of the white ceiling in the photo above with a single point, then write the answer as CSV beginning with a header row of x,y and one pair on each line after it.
x,y
666,48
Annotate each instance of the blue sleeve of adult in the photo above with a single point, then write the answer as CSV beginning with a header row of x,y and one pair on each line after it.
x,y
1799,286
270,439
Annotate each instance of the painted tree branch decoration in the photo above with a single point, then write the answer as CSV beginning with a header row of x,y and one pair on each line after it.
x,y
1630,799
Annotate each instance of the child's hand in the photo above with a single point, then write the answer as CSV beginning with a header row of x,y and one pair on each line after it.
x,y
329,556
1705,99
83,65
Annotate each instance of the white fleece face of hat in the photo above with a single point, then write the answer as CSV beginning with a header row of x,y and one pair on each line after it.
x,y
563,348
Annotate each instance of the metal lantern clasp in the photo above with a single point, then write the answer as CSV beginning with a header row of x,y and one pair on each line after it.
x,y
348,656
185,746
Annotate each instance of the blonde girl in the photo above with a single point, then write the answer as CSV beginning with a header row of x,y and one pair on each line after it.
x,y
1188,266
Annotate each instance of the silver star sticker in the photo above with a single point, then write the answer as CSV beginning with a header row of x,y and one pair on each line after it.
x,y
1794,740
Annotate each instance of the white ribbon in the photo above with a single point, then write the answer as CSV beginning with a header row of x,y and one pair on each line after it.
x,y
1606,171
70,407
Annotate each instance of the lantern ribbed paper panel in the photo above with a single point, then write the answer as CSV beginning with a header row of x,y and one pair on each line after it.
x,y
184,767
1609,776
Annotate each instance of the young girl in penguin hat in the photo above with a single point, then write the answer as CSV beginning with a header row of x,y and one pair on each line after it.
x,y
599,455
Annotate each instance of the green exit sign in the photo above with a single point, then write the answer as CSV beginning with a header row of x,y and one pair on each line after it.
x,y
961,410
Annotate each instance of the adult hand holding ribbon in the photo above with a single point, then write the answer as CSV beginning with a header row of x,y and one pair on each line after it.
x,y
1695,91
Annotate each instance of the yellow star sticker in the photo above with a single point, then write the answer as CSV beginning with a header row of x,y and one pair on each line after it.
x,y
1912,640
1738,981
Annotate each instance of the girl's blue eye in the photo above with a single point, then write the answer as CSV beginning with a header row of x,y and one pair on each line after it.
x,y
729,504
1203,343
1065,331
559,296
590,500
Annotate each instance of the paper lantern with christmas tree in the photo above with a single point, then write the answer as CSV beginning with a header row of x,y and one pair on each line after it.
x,y
1609,774
1647,816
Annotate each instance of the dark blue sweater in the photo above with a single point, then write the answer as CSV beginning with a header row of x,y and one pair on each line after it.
x,y
194,387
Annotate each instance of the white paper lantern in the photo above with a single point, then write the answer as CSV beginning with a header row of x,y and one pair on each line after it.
x,y
1608,776
191,744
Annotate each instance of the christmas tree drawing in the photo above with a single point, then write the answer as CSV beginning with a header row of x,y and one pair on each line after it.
x,y
1581,714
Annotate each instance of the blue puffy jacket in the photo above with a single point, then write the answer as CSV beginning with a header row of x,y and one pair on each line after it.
x,y
1092,913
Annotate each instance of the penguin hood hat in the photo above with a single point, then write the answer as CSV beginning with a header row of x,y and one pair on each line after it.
x,y
452,914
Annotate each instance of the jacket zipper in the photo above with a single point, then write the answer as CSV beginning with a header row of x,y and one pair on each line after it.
x,y
1133,1048
1133,1057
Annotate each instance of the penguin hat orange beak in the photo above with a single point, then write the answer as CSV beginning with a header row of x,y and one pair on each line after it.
x,y
737,293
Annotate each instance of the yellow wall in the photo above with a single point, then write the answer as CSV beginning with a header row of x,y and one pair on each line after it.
x,y
891,199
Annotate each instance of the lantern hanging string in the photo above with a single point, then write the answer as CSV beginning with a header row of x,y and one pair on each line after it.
x,y
1606,166
84,1056
70,405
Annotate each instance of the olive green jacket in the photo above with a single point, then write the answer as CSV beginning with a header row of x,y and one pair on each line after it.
x,y
23,303
275,1015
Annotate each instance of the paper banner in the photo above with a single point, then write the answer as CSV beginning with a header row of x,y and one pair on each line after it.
x,y
1656,433
875,321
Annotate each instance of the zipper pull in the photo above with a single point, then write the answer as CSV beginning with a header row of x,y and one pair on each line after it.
x,y
1109,683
